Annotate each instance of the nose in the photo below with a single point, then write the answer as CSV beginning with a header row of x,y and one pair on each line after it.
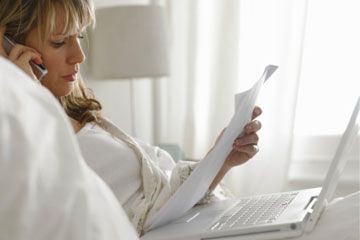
x,y
76,54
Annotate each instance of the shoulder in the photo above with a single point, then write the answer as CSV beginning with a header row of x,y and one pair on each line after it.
x,y
96,142
92,134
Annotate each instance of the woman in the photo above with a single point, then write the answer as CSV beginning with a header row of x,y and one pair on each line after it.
x,y
49,32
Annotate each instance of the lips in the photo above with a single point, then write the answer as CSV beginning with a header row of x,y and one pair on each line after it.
x,y
70,77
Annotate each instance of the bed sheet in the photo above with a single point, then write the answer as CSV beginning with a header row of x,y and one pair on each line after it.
x,y
339,221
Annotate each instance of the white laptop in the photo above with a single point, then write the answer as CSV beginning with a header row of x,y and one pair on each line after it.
x,y
270,216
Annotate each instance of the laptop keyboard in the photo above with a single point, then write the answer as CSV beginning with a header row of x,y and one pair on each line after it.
x,y
250,211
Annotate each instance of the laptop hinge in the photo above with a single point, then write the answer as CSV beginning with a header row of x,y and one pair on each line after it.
x,y
311,223
309,206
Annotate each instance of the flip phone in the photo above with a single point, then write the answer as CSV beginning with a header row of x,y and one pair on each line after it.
x,y
39,70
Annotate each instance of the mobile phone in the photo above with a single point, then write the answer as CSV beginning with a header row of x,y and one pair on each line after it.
x,y
39,70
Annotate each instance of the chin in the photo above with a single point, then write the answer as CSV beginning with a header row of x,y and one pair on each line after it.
x,y
61,92
67,93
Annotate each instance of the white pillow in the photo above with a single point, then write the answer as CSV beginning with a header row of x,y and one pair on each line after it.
x,y
47,190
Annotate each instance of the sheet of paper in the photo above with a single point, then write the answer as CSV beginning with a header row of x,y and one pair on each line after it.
x,y
197,184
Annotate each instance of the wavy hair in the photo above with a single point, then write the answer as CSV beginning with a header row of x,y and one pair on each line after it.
x,y
21,16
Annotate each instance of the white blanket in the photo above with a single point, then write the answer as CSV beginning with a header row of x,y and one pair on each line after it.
x,y
339,221
47,190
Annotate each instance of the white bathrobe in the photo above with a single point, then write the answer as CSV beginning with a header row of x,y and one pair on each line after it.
x,y
138,173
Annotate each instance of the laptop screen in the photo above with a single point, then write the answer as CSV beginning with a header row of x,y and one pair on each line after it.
x,y
338,163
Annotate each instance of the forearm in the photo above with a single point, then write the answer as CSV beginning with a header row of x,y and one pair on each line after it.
x,y
224,169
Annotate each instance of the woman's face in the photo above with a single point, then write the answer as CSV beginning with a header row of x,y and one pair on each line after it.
x,y
61,55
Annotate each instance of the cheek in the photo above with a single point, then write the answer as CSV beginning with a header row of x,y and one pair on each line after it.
x,y
52,61
53,81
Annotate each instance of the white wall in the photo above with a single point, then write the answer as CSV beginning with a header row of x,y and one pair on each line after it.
x,y
115,95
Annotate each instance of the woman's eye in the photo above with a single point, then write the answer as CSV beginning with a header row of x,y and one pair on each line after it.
x,y
58,44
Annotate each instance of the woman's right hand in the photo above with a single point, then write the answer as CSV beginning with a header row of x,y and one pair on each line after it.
x,y
21,55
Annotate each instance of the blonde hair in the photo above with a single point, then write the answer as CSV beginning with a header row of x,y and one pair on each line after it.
x,y
21,16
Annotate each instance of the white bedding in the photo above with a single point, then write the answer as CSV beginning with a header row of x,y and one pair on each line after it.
x,y
339,221
47,190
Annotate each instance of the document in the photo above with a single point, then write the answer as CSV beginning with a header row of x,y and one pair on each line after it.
x,y
197,184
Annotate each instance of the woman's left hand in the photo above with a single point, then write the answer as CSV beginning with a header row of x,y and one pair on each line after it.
x,y
245,146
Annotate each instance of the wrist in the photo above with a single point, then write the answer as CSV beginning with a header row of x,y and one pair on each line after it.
x,y
225,168
222,172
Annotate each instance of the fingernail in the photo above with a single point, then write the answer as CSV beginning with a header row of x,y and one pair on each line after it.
x,y
257,111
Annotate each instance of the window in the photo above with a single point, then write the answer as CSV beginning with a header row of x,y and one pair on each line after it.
x,y
329,87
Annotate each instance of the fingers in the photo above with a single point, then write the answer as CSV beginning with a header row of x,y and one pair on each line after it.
x,y
249,139
24,54
28,56
246,140
256,112
247,144
252,127
249,150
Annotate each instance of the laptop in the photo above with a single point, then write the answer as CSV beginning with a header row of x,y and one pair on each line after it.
x,y
269,216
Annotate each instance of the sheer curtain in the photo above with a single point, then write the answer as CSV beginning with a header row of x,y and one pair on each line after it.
x,y
272,33
204,72
328,89
218,49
